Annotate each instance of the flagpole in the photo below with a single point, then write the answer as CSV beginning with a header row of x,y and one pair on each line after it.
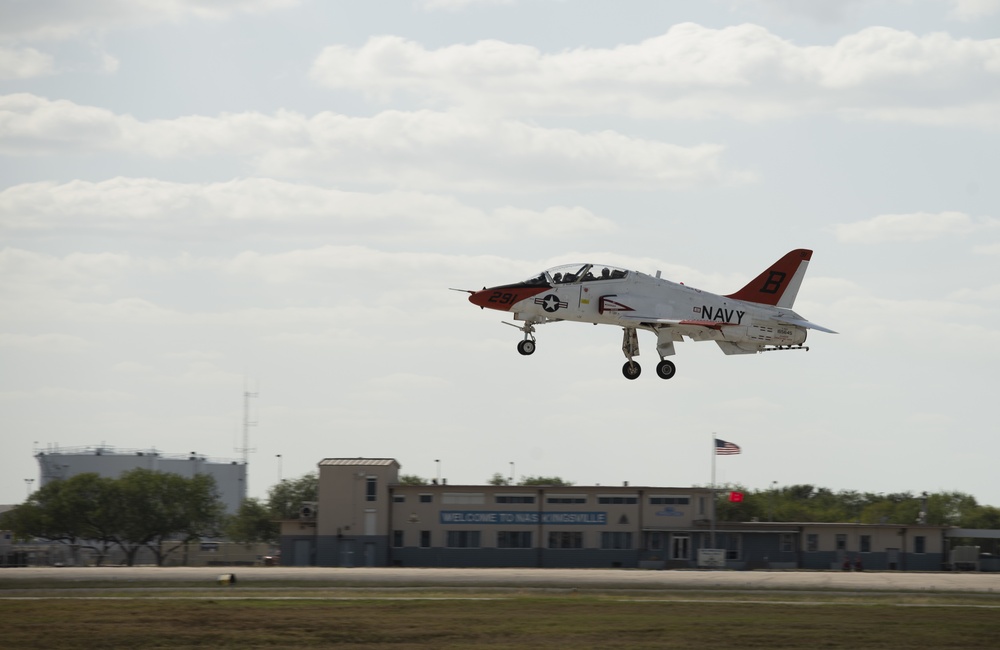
x,y
713,488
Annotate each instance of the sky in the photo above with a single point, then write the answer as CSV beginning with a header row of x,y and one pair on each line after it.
x,y
201,200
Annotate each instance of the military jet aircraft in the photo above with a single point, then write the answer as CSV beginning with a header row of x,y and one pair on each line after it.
x,y
757,318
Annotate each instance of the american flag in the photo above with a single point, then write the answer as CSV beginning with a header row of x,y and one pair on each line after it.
x,y
723,448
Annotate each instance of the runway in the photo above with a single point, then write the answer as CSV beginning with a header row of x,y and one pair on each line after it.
x,y
518,578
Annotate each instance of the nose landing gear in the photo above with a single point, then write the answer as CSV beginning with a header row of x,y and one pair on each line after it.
x,y
527,346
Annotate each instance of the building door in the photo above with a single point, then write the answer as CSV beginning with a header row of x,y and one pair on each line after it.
x,y
680,547
302,552
892,558
369,554
347,553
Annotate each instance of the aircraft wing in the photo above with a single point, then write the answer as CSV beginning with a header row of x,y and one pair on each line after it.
x,y
806,324
672,322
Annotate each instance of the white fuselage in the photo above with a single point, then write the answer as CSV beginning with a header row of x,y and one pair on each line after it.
x,y
646,302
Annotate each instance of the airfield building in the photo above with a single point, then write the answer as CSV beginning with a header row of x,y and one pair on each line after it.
x,y
56,463
365,517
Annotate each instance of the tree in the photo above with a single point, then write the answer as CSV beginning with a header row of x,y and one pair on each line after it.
x,y
78,512
412,479
252,523
554,481
286,498
499,479
258,521
140,508
160,507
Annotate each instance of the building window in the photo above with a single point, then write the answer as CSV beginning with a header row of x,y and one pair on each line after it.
x,y
812,542
514,498
397,539
919,544
399,498
425,539
426,498
787,542
567,499
680,547
617,500
463,498
514,539
563,539
463,539
734,546
370,489
841,542
866,544
701,505
674,501
611,540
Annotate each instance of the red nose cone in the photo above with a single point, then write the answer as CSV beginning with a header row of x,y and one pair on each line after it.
x,y
504,298
481,298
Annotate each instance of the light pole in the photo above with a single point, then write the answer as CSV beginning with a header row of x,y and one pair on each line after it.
x,y
438,479
770,500
511,481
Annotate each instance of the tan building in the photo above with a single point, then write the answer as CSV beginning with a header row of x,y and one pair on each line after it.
x,y
364,517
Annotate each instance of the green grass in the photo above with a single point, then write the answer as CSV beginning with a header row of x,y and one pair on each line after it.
x,y
231,618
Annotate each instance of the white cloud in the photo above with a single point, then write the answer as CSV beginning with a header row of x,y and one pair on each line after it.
x,y
987,249
821,11
425,149
915,227
691,72
29,275
970,10
64,19
49,343
152,207
459,5
23,63
65,396
984,295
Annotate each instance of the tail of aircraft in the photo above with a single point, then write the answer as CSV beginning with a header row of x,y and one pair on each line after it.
x,y
779,284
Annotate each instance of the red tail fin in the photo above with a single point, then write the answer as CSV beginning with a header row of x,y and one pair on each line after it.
x,y
779,284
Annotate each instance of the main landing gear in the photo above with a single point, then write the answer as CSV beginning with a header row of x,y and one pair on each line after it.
x,y
631,370
664,369
630,346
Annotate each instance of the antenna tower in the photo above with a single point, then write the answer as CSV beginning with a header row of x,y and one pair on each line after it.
x,y
246,450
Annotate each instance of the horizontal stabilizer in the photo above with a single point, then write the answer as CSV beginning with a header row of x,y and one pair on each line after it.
x,y
806,324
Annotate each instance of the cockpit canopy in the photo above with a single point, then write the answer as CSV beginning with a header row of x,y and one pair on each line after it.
x,y
573,273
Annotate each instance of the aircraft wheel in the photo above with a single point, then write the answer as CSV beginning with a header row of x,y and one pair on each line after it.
x,y
666,369
526,347
631,370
